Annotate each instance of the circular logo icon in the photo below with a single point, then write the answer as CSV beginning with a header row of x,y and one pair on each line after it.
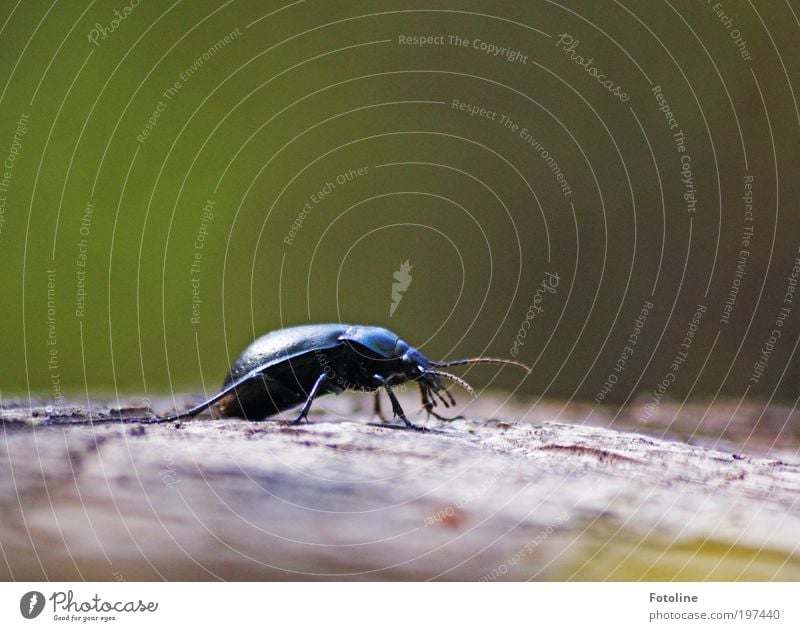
x,y
31,604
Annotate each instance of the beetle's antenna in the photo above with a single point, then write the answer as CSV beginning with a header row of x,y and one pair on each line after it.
x,y
454,379
483,360
441,398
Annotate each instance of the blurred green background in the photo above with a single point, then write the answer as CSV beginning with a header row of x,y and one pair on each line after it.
x,y
300,94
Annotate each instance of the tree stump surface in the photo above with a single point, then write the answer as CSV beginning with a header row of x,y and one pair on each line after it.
x,y
345,496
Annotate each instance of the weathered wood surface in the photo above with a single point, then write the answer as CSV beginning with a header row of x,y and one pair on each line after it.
x,y
342,498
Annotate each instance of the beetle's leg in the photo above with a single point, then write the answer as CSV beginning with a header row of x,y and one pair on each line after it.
x,y
397,410
452,403
307,405
377,407
442,399
429,402
426,404
445,418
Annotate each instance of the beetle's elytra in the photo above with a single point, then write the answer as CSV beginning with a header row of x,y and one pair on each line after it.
x,y
295,365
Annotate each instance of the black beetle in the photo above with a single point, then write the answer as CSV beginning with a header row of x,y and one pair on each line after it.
x,y
295,365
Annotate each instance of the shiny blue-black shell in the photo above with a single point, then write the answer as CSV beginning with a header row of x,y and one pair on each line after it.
x,y
290,360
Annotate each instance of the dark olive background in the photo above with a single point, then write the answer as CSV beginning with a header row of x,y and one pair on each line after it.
x,y
314,89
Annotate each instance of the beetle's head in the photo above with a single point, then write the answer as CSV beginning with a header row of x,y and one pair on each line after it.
x,y
407,363
431,384
411,365
416,367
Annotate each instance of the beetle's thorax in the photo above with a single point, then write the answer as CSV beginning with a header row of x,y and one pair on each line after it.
x,y
356,367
